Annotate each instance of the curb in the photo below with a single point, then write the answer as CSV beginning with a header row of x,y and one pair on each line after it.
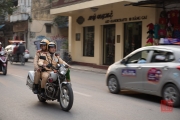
x,y
88,70
81,69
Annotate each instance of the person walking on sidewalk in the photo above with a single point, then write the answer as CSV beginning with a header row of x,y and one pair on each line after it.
x,y
20,50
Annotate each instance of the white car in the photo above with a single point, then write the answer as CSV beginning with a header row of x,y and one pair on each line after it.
x,y
9,50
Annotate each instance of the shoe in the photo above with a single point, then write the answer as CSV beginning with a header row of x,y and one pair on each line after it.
x,y
36,89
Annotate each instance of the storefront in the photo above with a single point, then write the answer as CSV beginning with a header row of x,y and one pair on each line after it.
x,y
20,30
166,29
107,34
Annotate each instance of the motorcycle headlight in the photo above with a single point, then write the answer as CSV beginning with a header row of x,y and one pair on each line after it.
x,y
63,70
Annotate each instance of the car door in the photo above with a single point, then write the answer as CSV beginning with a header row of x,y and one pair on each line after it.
x,y
131,72
156,71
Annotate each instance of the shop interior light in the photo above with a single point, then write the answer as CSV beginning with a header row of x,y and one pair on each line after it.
x,y
94,9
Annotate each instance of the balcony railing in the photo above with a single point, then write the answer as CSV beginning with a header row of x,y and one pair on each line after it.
x,y
19,17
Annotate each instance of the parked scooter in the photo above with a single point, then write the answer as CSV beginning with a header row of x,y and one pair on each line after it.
x,y
13,58
3,63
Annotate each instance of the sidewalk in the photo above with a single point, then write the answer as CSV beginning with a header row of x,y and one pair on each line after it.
x,y
83,68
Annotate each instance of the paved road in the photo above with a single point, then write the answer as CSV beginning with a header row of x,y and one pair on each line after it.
x,y
92,100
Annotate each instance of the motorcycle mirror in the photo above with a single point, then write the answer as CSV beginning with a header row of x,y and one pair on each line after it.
x,y
42,57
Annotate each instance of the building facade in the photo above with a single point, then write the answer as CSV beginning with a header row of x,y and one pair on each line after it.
x,y
43,26
20,20
102,32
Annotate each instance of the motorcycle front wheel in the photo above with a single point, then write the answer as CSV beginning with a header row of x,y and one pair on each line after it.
x,y
66,98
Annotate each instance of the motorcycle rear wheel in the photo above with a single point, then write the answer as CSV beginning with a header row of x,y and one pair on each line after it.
x,y
41,99
66,98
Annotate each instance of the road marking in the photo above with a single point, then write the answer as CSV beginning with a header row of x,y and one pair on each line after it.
x,y
82,94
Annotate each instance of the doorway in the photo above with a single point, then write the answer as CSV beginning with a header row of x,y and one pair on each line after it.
x,y
132,37
108,44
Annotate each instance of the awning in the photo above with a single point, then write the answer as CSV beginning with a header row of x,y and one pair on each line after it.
x,y
1,26
157,3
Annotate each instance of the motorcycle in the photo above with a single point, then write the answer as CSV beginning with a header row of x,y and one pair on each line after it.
x,y
57,88
13,58
3,63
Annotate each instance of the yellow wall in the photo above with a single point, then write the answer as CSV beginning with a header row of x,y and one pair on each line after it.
x,y
119,11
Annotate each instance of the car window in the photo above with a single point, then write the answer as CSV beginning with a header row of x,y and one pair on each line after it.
x,y
140,57
162,56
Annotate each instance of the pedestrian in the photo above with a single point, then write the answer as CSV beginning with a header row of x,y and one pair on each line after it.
x,y
20,50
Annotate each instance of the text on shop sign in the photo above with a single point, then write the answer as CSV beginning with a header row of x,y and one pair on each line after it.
x,y
101,16
126,19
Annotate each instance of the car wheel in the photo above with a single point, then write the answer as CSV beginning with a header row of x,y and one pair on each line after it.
x,y
171,93
113,84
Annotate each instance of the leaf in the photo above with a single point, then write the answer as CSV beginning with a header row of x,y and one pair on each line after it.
x,y
6,6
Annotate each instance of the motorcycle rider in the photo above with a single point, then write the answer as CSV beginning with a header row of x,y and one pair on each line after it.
x,y
51,60
1,48
37,69
20,50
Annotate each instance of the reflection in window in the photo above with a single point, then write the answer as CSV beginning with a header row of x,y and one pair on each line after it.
x,y
162,56
88,41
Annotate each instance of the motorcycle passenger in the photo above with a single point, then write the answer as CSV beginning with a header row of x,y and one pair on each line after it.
x,y
51,60
1,48
20,50
37,69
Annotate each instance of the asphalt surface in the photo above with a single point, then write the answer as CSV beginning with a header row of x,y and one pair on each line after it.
x,y
92,100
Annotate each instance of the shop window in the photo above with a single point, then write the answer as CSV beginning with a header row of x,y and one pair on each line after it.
x,y
48,28
88,41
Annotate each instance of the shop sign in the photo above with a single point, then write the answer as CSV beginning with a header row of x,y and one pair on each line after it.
x,y
20,26
101,16
126,19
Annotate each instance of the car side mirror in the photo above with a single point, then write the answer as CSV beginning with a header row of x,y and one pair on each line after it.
x,y
42,57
